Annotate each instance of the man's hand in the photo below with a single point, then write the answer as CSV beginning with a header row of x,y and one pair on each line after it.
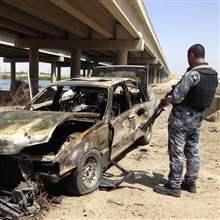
x,y
164,102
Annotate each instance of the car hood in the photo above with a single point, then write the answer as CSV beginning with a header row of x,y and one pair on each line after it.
x,y
19,129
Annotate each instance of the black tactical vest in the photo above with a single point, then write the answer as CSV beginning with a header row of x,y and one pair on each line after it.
x,y
201,95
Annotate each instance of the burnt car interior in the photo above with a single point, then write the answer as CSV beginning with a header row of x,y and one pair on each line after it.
x,y
120,102
135,93
72,99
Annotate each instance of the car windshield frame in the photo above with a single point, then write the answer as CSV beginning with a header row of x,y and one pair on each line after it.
x,y
38,95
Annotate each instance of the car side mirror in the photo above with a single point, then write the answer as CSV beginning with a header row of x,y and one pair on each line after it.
x,y
141,111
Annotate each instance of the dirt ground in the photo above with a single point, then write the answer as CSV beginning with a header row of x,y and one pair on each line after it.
x,y
135,199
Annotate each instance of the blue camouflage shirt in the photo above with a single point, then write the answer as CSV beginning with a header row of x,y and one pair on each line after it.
x,y
182,115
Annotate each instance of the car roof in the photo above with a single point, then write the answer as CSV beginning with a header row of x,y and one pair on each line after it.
x,y
92,81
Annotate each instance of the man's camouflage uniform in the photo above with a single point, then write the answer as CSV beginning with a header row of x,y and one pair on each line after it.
x,y
184,128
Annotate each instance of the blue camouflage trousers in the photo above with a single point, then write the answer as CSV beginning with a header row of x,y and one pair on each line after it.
x,y
183,144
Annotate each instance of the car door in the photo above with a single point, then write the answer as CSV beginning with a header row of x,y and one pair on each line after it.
x,y
121,120
139,109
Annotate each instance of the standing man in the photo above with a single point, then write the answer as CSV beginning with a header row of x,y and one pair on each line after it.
x,y
191,96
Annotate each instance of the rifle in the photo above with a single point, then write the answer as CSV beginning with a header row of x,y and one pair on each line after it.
x,y
158,110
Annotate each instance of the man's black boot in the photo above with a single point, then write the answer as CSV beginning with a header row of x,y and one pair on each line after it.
x,y
166,189
188,187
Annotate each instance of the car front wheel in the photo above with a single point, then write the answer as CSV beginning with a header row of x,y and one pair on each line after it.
x,y
87,176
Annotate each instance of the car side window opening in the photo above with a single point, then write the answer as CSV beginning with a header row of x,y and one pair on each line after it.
x,y
135,93
120,102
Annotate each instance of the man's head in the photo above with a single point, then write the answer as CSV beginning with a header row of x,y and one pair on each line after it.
x,y
196,54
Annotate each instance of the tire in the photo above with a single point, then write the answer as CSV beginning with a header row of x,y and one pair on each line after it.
x,y
146,139
78,183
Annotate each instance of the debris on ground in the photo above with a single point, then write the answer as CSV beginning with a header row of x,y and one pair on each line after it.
x,y
19,201
214,117
27,199
115,202
139,204
213,129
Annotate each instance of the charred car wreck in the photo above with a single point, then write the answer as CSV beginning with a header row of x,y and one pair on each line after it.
x,y
69,132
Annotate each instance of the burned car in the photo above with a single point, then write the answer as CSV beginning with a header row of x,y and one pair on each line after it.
x,y
71,130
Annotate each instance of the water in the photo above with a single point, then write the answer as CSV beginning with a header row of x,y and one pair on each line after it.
x,y
5,84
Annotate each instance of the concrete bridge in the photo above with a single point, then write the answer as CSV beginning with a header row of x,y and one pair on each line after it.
x,y
110,31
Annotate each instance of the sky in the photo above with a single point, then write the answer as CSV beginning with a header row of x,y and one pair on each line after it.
x,y
180,24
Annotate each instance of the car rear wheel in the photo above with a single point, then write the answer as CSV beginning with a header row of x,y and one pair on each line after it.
x,y
146,139
87,176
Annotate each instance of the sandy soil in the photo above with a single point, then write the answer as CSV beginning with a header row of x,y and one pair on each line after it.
x,y
136,199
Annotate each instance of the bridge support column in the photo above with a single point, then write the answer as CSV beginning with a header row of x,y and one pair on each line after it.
x,y
58,73
151,76
84,72
13,77
155,76
163,76
75,63
122,57
34,70
89,70
158,76
53,72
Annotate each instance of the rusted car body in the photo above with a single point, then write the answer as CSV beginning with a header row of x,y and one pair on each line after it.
x,y
70,130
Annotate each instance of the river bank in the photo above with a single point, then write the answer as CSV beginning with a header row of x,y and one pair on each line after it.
x,y
5,83
24,76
